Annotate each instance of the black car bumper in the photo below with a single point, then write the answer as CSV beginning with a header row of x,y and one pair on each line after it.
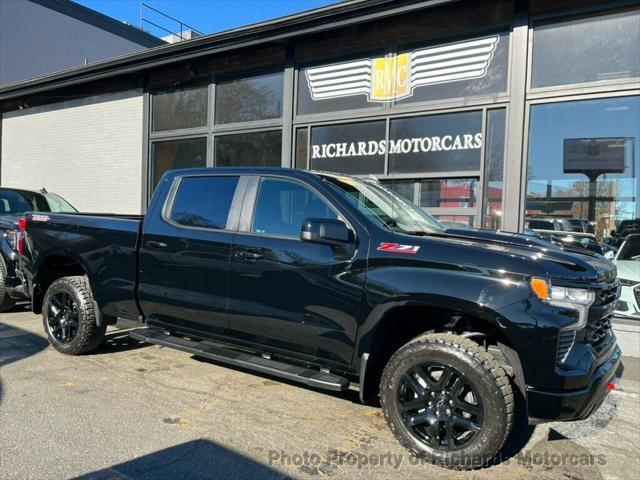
x,y
546,406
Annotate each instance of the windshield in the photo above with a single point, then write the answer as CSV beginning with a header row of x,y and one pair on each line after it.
x,y
630,249
385,207
17,202
58,204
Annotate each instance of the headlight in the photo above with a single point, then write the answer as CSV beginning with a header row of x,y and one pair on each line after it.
x,y
578,299
627,283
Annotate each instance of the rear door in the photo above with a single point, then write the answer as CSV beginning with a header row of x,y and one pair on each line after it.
x,y
287,295
185,251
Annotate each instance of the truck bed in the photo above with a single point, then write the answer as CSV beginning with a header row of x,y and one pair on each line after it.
x,y
103,245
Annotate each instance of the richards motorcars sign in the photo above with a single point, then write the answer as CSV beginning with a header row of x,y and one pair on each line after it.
x,y
443,143
432,143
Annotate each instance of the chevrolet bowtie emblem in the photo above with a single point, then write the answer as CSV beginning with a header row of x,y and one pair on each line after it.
x,y
391,78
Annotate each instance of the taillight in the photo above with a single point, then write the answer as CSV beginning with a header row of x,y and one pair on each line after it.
x,y
22,226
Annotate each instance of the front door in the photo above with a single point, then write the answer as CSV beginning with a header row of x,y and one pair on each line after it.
x,y
185,254
287,295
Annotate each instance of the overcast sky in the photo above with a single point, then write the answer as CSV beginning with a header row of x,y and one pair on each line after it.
x,y
208,16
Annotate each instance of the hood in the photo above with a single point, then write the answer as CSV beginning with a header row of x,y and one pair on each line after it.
x,y
529,255
629,270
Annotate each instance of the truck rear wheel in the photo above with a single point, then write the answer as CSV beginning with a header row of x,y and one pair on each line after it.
x,y
447,401
69,316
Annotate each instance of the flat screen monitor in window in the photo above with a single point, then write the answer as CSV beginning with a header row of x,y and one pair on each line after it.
x,y
595,156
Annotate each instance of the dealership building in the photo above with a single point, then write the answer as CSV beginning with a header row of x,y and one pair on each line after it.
x,y
482,113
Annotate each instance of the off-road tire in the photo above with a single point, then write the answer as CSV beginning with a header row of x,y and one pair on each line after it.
x,y
6,302
485,374
89,335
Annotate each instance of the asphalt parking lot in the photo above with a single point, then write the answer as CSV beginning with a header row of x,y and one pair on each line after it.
x,y
131,411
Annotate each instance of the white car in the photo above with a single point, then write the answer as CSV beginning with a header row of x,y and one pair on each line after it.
x,y
628,262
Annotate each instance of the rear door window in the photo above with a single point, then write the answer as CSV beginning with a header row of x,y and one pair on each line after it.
x,y
204,202
19,202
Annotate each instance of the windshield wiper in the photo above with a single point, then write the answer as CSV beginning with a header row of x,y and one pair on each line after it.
x,y
418,233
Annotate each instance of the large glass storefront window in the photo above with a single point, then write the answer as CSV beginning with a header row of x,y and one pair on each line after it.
x,y
436,143
470,68
435,161
258,149
584,162
249,99
353,148
169,155
179,109
473,67
586,50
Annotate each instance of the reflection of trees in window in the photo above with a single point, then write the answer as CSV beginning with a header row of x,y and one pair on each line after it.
x,y
193,220
180,109
249,99
259,149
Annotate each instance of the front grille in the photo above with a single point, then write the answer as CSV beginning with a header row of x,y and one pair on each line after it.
x,y
607,294
565,342
599,335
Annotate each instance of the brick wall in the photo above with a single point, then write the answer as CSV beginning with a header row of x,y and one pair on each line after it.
x,y
89,151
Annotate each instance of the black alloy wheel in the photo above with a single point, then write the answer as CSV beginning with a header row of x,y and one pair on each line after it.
x,y
440,406
62,317
69,316
446,400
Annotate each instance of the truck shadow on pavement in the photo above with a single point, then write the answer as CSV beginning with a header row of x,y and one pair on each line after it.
x,y
17,344
198,459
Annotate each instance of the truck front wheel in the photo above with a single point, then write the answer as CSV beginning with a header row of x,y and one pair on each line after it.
x,y
447,401
69,316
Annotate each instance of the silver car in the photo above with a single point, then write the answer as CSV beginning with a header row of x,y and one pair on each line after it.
x,y
628,262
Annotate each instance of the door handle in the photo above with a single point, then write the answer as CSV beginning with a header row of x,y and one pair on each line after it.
x,y
248,255
156,245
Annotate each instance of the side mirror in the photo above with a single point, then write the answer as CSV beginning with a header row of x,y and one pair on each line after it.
x,y
325,231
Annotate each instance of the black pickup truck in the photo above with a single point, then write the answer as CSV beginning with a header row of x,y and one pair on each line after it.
x,y
332,280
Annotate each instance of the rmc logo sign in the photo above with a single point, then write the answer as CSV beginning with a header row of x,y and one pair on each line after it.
x,y
391,78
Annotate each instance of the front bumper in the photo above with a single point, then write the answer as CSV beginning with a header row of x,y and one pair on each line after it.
x,y
546,405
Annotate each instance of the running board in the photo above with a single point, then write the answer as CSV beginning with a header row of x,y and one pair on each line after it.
x,y
308,376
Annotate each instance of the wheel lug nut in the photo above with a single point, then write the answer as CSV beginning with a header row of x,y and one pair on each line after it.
x,y
448,412
450,402
443,392
433,394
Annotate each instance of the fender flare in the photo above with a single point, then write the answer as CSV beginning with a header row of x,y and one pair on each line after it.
x,y
365,357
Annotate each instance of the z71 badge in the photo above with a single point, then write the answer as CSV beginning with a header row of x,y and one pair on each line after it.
x,y
397,248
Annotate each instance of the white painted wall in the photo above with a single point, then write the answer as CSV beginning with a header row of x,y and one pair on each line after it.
x,y
89,151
